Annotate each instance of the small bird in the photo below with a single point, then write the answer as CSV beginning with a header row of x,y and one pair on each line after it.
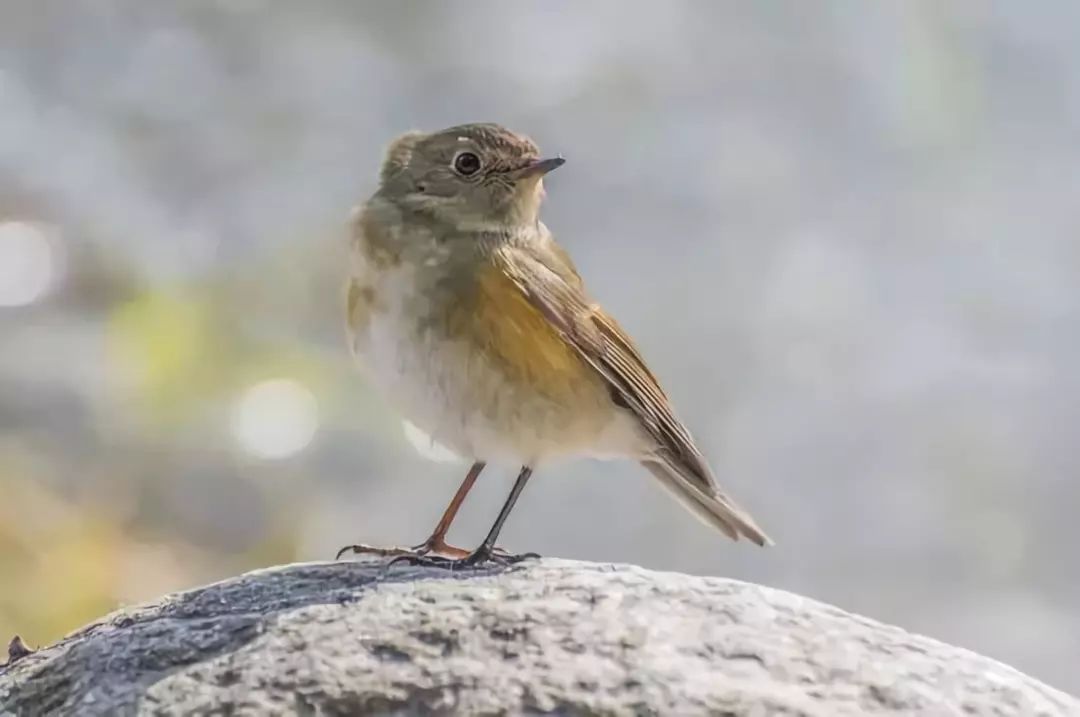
x,y
475,322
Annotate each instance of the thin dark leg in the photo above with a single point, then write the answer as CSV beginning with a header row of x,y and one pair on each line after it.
x,y
437,541
493,534
486,552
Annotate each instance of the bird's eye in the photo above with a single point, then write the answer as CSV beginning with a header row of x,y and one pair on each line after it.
x,y
466,163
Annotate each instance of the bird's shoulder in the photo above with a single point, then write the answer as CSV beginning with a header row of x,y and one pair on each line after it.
x,y
549,252
492,311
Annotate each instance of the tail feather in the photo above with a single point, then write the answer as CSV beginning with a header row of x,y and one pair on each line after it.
x,y
713,508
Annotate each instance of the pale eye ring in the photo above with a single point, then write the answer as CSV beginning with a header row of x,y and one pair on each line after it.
x,y
466,163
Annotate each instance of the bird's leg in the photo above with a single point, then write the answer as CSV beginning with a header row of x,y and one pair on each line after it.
x,y
487,552
436,542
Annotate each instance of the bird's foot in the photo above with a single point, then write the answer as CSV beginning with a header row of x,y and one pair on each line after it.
x,y
431,545
483,555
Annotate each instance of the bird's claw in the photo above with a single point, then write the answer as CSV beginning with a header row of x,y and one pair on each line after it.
x,y
431,545
478,558
362,549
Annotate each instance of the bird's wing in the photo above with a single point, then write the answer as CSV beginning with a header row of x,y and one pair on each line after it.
x,y
545,275
556,290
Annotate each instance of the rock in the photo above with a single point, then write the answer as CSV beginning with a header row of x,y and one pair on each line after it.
x,y
546,636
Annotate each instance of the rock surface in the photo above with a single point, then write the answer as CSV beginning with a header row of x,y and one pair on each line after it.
x,y
547,636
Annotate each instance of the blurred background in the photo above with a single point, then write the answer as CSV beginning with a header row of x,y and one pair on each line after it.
x,y
845,234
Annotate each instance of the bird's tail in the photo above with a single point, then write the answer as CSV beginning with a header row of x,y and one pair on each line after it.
x,y
711,506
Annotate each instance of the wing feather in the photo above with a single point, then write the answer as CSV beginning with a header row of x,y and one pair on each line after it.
x,y
545,276
604,344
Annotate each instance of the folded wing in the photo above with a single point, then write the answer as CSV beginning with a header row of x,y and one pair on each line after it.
x,y
546,277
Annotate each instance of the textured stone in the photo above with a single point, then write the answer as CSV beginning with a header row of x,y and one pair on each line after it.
x,y
545,636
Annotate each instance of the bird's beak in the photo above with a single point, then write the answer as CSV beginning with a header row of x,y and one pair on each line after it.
x,y
539,167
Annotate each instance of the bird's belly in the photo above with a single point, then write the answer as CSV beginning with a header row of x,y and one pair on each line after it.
x,y
461,395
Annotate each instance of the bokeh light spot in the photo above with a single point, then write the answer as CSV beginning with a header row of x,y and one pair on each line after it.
x,y
27,263
275,419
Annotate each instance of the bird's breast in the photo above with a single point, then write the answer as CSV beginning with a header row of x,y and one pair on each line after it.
x,y
471,361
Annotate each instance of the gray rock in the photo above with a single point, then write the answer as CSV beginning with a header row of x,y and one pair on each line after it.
x,y
548,636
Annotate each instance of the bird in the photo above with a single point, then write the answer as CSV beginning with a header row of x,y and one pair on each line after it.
x,y
475,323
